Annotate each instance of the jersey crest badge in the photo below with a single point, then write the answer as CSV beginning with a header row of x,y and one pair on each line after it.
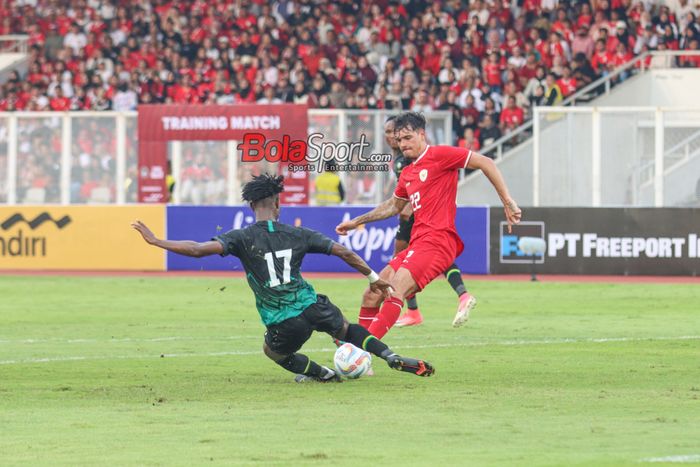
x,y
423,175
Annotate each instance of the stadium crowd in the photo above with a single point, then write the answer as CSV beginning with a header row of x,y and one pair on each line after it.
x,y
488,62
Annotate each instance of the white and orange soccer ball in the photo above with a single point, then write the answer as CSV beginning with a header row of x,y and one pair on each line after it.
x,y
351,362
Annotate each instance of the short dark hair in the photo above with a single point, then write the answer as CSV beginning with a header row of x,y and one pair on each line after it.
x,y
262,187
411,121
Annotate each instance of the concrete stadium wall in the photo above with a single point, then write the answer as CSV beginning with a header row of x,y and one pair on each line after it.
x,y
13,61
674,87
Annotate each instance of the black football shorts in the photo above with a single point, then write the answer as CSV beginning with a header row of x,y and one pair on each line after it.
x,y
288,336
405,227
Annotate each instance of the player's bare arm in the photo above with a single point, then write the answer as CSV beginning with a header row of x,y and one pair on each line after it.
x,y
406,212
182,247
489,168
354,261
388,208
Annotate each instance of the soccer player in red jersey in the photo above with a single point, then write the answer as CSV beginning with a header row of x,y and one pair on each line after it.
x,y
413,316
430,185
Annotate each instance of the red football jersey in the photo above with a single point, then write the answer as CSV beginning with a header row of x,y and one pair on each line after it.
x,y
430,185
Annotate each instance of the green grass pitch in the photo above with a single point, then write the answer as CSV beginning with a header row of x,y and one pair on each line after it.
x,y
169,371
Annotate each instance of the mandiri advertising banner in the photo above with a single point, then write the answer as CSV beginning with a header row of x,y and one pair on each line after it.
x,y
374,243
79,238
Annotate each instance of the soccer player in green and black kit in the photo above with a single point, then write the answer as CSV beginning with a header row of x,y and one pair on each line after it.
x,y
413,316
290,309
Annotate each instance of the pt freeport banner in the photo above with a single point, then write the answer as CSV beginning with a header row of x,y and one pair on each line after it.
x,y
374,243
628,241
79,238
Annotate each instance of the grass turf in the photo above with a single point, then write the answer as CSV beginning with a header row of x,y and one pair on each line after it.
x,y
169,371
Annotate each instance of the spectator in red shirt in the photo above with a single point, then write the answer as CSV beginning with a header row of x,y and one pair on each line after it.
x,y
36,37
512,116
527,72
567,83
540,46
558,47
559,25
246,20
584,18
478,47
431,59
492,72
601,58
185,93
512,41
5,24
59,102
621,56
8,103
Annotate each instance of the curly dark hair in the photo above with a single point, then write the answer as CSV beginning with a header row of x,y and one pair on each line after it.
x,y
262,186
411,121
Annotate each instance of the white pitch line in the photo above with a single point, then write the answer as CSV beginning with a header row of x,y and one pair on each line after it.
x,y
122,339
584,340
564,340
675,459
56,340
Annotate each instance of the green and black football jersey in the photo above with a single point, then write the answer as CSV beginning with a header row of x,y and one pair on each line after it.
x,y
400,163
271,254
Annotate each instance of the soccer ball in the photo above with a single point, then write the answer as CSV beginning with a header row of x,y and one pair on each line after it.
x,y
351,362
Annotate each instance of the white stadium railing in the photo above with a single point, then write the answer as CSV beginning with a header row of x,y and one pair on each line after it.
x,y
14,43
44,155
615,156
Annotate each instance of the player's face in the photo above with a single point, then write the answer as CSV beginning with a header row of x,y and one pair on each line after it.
x,y
389,135
411,142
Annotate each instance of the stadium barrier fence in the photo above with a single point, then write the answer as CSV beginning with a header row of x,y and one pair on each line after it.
x,y
93,158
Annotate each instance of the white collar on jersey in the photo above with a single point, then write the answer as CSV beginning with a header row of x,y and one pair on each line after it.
x,y
423,153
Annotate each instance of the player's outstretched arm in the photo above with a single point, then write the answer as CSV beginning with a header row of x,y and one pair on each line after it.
x,y
376,284
388,208
182,247
486,165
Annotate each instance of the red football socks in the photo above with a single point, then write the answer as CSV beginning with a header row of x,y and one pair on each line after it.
x,y
387,316
367,315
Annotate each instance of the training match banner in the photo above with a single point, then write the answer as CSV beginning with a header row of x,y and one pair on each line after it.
x,y
629,241
79,238
269,125
374,243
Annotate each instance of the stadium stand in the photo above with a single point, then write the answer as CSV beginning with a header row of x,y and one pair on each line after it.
x,y
489,62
